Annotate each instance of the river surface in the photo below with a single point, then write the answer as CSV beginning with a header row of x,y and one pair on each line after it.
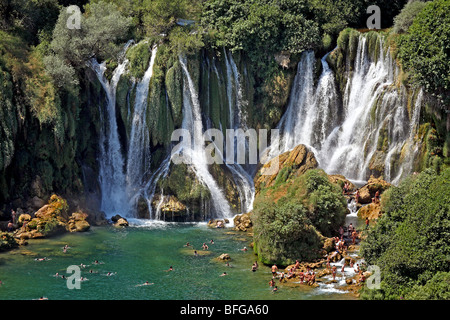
x,y
144,252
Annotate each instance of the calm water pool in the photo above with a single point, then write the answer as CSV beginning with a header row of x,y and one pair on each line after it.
x,y
143,252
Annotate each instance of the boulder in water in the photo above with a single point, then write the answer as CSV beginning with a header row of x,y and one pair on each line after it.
x,y
119,221
367,192
78,223
224,257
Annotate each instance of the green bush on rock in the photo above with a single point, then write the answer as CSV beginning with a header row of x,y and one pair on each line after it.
x,y
292,217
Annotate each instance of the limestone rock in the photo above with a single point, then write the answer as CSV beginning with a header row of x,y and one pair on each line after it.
x,y
289,164
78,223
224,257
341,180
371,211
367,192
121,222
24,217
217,223
243,222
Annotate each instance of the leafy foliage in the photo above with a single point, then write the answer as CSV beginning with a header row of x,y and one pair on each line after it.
x,y
101,26
293,226
425,49
410,242
405,18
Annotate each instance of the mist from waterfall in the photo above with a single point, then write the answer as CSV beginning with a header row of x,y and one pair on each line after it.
x,y
345,138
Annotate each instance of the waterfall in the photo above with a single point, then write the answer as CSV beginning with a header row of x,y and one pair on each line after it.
x,y
139,145
192,121
242,178
372,126
111,163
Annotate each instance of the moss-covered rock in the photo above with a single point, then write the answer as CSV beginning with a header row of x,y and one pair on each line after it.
x,y
295,210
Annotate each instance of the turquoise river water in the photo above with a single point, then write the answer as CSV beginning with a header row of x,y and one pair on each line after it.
x,y
143,252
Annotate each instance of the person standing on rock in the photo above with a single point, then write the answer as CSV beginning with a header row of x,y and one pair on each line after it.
x,y
14,216
350,230
274,270
354,235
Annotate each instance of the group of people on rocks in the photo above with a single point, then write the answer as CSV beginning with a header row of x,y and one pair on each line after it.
x,y
346,191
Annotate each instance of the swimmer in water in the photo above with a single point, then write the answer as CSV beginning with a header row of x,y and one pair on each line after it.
x,y
170,269
42,259
146,283
223,274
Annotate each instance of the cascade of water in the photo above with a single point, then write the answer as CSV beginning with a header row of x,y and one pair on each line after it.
x,y
139,145
192,121
374,124
242,178
111,162
300,100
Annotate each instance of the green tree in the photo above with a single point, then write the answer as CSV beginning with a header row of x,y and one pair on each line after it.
x,y
425,49
410,242
293,226
102,26
405,18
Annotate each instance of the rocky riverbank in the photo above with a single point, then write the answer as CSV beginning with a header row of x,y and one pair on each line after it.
x,y
53,218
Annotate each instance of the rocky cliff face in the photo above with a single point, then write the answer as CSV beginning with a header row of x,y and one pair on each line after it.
x,y
37,159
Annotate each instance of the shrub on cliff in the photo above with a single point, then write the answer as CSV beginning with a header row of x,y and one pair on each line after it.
x,y
410,242
424,50
293,226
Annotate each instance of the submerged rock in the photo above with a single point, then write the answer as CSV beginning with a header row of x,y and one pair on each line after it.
x,y
119,221
224,257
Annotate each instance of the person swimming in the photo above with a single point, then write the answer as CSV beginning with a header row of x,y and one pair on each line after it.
x,y
146,283
42,259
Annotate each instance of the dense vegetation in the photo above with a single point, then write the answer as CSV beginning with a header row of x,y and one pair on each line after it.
x,y
292,217
410,242
424,49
